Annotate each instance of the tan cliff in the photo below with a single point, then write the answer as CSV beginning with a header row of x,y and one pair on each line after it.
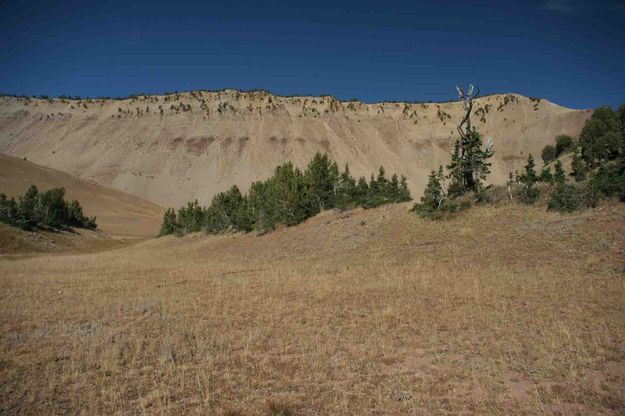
x,y
173,148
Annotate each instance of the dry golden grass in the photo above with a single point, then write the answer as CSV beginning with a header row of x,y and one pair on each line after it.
x,y
506,310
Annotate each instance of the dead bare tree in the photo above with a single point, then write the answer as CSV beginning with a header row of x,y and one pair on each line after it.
x,y
467,101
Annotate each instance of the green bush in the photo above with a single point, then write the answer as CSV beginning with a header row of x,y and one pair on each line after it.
x,y
564,198
609,180
564,143
548,154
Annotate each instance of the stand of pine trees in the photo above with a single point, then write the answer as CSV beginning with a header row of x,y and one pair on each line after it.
x,y
289,197
48,208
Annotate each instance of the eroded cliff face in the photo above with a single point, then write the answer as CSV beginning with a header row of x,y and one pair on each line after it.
x,y
173,148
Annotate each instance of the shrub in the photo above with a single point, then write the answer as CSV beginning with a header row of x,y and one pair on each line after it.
x,y
563,144
609,180
564,198
548,154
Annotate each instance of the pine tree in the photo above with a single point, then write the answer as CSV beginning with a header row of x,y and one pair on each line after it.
x,y
50,209
392,192
346,190
10,213
169,224
404,192
476,165
190,219
564,197
262,206
433,194
362,191
530,193
321,177
578,169
559,177
382,182
545,175
289,187
28,202
455,176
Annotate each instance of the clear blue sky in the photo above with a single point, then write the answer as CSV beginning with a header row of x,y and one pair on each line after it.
x,y
568,51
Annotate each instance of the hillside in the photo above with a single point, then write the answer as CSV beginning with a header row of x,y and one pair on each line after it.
x,y
174,148
118,213
363,312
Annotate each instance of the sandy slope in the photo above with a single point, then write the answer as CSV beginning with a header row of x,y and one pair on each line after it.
x,y
204,142
118,213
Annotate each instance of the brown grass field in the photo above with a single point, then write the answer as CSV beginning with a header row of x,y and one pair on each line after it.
x,y
501,311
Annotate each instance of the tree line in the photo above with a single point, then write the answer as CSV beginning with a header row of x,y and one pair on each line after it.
x,y
289,197
48,208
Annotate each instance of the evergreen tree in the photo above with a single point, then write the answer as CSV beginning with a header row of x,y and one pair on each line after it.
x,y
392,192
226,212
469,163
564,197
530,193
346,190
433,194
10,213
578,169
600,139
404,192
263,206
559,176
28,202
169,224
289,188
382,182
321,177
190,219
529,176
545,175
50,209
455,176
362,191
564,143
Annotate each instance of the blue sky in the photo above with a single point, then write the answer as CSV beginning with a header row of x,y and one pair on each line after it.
x,y
570,52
